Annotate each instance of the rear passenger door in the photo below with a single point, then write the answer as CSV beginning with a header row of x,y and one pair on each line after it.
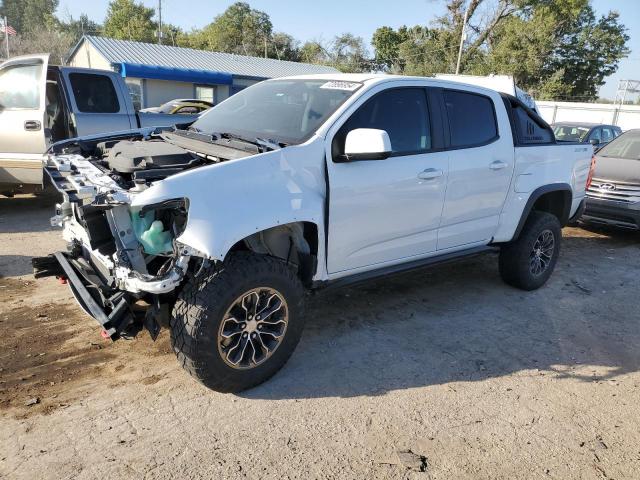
x,y
480,168
97,103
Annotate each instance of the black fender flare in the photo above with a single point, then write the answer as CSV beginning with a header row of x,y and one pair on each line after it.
x,y
537,194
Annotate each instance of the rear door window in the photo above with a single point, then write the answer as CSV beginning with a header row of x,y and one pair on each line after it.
x,y
94,93
607,134
472,119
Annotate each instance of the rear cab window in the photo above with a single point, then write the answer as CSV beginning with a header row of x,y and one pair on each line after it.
x,y
94,93
472,119
527,127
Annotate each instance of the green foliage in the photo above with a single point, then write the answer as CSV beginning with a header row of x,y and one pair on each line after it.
x,y
556,49
346,52
28,16
284,47
128,20
240,29
77,28
314,52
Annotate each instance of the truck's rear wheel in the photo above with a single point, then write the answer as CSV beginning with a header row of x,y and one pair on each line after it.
x,y
235,326
528,262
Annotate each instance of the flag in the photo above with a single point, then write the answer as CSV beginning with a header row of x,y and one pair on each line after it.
x,y
8,29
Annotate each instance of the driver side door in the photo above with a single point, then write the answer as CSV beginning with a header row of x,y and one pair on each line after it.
x,y
383,212
22,119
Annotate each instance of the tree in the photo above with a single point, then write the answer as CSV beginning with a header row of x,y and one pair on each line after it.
x,y
50,40
345,52
349,54
128,20
82,26
284,47
239,29
28,16
553,48
590,52
314,51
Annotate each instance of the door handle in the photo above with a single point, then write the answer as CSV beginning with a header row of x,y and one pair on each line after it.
x,y
32,125
430,174
498,165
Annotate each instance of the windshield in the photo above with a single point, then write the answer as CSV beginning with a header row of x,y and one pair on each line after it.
x,y
286,111
570,133
167,107
626,146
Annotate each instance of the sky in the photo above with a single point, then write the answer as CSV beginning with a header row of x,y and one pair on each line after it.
x,y
323,20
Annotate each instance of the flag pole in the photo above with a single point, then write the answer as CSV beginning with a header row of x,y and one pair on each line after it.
x,y
6,36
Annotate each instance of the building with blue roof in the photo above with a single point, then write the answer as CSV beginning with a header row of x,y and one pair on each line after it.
x,y
157,74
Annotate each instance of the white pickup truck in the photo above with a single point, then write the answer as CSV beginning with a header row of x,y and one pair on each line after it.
x,y
219,229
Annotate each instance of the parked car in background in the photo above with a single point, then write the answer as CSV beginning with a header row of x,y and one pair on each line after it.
x,y
181,106
296,184
614,195
42,104
596,134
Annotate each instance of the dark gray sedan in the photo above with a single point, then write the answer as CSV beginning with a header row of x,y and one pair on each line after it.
x,y
613,198
597,134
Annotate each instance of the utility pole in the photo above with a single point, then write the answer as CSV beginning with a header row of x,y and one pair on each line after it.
x,y
159,22
6,36
463,37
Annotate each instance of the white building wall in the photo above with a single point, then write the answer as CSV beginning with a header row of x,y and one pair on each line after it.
x,y
626,116
157,92
88,57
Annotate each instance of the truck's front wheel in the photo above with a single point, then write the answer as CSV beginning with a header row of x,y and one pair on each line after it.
x,y
528,262
236,325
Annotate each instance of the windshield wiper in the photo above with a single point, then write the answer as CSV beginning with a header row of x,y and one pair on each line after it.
x,y
265,144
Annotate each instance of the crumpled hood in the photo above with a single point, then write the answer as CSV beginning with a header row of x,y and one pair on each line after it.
x,y
231,200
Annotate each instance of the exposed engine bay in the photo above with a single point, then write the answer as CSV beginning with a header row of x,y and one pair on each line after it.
x,y
126,254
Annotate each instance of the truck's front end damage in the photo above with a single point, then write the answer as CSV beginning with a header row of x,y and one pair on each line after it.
x,y
123,263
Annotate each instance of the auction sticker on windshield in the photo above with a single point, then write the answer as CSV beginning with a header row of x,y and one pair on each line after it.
x,y
336,85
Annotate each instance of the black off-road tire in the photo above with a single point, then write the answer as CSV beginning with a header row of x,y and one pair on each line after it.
x,y
516,257
202,304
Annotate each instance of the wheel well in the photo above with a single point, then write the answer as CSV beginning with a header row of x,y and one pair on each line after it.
x,y
557,203
296,243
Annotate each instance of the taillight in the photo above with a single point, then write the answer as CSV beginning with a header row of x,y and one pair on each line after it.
x,y
592,168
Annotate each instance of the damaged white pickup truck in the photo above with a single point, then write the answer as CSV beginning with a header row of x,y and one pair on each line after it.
x,y
218,230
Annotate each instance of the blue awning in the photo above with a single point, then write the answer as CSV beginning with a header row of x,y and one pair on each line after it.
x,y
207,77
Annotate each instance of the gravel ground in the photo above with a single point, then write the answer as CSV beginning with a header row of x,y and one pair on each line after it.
x,y
474,378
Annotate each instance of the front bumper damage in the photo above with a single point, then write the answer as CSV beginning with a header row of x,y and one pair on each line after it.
x,y
113,278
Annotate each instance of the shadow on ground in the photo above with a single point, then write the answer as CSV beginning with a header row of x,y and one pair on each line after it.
x,y
459,322
27,213
15,265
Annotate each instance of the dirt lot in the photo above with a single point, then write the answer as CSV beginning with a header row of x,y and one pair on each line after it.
x,y
477,379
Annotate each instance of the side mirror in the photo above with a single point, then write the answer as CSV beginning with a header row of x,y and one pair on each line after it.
x,y
594,141
367,144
